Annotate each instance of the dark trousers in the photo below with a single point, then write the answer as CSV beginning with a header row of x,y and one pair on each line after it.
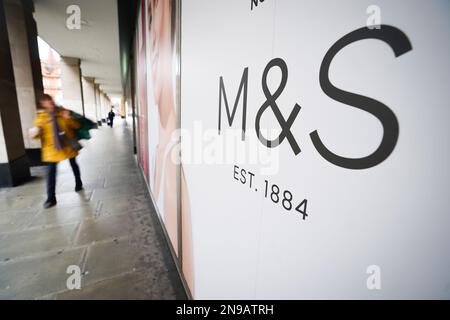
x,y
111,122
51,177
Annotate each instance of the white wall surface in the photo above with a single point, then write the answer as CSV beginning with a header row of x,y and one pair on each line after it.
x,y
394,215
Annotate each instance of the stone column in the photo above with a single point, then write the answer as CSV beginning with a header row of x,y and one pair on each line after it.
x,y
14,164
71,84
98,104
102,106
105,108
108,103
122,107
19,40
33,48
90,107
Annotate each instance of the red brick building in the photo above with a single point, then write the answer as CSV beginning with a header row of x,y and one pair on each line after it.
x,y
51,75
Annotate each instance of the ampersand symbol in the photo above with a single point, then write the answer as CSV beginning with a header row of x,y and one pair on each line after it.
x,y
271,102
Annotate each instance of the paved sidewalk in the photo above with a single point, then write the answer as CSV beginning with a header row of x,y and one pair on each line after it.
x,y
110,231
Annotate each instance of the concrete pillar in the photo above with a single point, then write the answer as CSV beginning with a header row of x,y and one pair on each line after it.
x,y
34,151
24,80
71,84
33,48
105,107
102,106
122,108
107,104
14,164
98,104
90,107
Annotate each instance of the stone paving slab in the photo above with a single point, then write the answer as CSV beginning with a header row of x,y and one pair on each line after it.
x,y
64,215
34,278
122,204
109,259
34,241
15,220
104,228
20,202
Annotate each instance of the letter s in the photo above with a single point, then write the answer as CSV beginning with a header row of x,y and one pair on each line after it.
x,y
400,44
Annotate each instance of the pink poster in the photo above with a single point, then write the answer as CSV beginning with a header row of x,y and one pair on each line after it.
x,y
142,92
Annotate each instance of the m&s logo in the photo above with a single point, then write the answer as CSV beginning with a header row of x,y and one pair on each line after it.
x,y
392,36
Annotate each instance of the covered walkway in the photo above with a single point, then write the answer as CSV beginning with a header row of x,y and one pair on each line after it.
x,y
110,230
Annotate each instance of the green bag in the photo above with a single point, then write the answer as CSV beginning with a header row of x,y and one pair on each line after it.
x,y
86,125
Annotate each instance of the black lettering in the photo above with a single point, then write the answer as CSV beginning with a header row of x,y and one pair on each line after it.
x,y
251,178
236,168
242,88
285,125
400,44
254,4
243,178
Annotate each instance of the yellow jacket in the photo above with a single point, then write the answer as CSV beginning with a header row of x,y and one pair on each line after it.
x,y
68,126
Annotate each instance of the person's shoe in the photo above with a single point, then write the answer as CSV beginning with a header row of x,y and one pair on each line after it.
x,y
49,203
78,187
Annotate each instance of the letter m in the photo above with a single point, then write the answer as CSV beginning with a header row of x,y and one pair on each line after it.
x,y
230,115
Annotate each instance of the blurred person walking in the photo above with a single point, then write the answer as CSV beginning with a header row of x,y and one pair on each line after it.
x,y
56,127
111,116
